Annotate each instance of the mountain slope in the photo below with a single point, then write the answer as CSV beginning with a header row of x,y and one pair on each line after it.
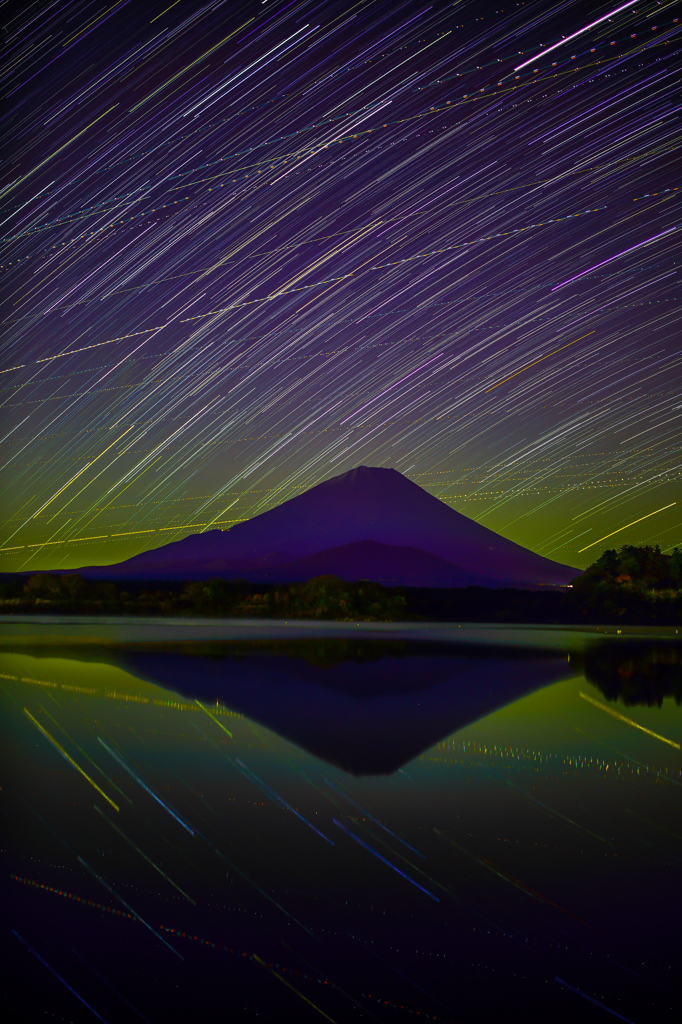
x,y
369,560
365,504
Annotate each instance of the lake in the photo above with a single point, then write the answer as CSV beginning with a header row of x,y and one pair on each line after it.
x,y
306,821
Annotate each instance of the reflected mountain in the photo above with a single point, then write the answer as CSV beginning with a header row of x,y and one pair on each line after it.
x,y
636,673
367,706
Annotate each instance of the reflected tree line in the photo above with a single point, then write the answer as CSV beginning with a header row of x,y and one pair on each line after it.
x,y
635,673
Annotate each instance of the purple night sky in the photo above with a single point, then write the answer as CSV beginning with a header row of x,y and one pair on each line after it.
x,y
249,246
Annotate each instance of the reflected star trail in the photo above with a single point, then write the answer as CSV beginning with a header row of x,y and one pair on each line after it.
x,y
529,853
248,246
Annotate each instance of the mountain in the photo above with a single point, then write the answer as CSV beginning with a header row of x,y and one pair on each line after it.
x,y
434,545
389,564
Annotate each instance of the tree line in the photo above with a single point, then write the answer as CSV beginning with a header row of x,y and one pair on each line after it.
x,y
634,585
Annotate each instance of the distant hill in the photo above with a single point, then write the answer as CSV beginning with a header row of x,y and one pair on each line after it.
x,y
365,524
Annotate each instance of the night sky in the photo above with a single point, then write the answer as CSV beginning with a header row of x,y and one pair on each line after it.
x,y
249,246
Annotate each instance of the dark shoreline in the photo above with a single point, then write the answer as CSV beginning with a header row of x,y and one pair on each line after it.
x,y
327,598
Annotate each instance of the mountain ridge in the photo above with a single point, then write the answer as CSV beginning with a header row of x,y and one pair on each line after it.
x,y
363,505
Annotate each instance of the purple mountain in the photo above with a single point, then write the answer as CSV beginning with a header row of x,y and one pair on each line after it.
x,y
390,564
365,524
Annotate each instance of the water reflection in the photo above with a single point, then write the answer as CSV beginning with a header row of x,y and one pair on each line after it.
x,y
367,706
636,673
357,830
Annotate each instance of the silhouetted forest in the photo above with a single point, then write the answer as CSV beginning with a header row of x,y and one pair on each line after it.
x,y
634,672
632,586
325,597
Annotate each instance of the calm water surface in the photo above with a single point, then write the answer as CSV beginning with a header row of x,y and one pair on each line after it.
x,y
340,829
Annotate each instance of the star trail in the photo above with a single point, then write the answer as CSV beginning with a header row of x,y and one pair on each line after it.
x,y
249,246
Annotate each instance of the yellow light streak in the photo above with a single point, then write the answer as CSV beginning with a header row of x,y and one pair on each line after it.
x,y
81,31
183,70
219,724
81,471
131,532
524,368
164,12
71,761
190,526
626,526
36,682
628,721
126,696
90,692
20,181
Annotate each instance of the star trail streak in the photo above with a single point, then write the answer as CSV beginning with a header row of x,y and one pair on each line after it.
x,y
248,246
